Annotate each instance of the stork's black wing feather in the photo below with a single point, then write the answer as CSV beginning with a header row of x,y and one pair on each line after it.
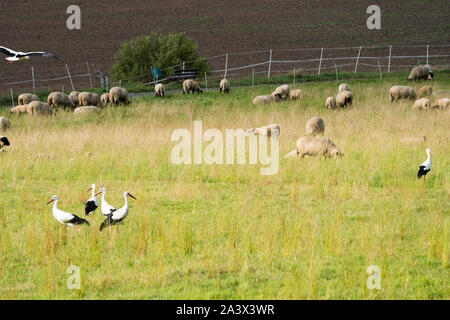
x,y
421,172
5,141
90,207
7,51
109,222
39,53
78,220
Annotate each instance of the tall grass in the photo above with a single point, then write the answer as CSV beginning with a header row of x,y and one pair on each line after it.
x,y
225,231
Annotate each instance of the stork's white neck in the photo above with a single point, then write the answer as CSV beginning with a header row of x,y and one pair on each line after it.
x,y
93,191
429,156
126,199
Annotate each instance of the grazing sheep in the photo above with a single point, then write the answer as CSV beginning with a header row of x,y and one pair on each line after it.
x,y
190,85
330,103
74,97
19,109
314,146
86,110
4,123
160,90
421,104
344,98
402,92
421,73
315,126
270,98
59,99
425,91
26,98
118,95
89,99
295,94
224,86
4,142
266,130
283,91
38,108
443,103
345,87
104,98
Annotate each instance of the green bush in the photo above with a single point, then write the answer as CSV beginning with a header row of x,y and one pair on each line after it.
x,y
136,57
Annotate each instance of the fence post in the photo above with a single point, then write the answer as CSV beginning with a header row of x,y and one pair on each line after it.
x,y
62,88
102,84
294,75
70,77
226,66
12,98
184,64
253,77
390,55
32,75
89,73
120,82
357,59
379,68
428,48
206,82
270,64
320,63
337,77
107,83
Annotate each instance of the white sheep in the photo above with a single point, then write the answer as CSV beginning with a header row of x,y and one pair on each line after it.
x,y
190,85
269,130
402,92
26,98
421,104
345,87
20,109
118,95
425,91
4,124
295,94
421,73
74,97
270,98
160,90
330,103
443,103
86,110
38,108
224,86
89,99
344,98
283,91
59,99
104,98
314,146
4,142
315,126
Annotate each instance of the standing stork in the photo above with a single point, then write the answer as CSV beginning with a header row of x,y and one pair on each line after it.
x,y
119,215
92,203
425,167
107,209
15,56
66,218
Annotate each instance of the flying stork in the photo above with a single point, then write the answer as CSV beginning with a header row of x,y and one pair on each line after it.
x,y
15,56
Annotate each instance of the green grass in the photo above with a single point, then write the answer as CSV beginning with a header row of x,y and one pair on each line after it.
x,y
225,231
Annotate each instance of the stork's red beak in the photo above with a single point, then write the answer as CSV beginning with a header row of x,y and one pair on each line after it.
x,y
132,196
90,188
49,202
97,193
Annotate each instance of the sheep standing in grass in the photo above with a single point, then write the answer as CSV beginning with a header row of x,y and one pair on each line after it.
x,y
21,109
421,104
330,103
271,129
26,98
421,73
295,94
315,126
344,98
89,99
105,99
402,92
86,110
443,103
283,91
345,87
59,100
160,90
4,124
425,91
314,146
74,97
38,108
270,98
118,95
4,142
190,85
224,86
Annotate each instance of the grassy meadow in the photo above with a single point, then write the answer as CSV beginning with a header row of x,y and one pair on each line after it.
x,y
226,231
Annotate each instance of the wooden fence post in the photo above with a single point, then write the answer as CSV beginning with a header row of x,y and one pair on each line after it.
x,y
390,55
70,77
357,59
32,75
89,73
226,66
270,64
320,63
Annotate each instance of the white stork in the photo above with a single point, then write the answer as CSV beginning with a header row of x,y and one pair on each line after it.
x,y
119,215
66,218
92,203
425,167
15,56
107,209
4,142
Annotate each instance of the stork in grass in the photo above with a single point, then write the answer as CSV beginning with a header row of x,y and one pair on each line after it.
x,y
107,209
66,218
119,215
15,56
425,167
4,142
92,203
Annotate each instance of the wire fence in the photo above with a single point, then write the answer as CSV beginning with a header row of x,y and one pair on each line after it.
x,y
252,64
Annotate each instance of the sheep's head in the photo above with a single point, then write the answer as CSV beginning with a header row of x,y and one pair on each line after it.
x,y
276,96
334,151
